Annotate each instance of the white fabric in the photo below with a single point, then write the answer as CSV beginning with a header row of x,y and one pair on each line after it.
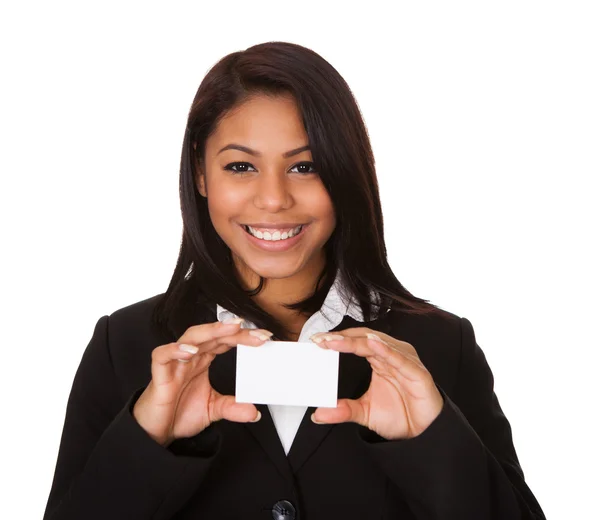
x,y
287,419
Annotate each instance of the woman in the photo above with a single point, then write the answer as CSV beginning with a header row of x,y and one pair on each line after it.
x,y
283,239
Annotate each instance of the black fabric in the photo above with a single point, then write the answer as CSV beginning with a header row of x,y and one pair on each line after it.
x,y
464,466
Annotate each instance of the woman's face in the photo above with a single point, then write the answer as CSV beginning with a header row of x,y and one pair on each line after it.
x,y
271,182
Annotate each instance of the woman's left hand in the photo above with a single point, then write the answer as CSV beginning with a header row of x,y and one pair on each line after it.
x,y
402,400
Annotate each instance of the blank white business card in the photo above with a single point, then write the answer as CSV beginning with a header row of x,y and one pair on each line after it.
x,y
295,373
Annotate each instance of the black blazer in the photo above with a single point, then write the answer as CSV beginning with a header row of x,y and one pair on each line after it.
x,y
464,466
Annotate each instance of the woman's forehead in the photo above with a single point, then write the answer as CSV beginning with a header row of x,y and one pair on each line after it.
x,y
266,125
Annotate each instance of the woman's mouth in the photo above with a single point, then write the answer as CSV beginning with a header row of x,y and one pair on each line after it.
x,y
275,239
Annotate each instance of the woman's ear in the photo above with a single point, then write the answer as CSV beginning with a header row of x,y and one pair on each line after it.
x,y
201,181
200,174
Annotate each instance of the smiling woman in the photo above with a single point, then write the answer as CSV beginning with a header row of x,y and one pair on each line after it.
x,y
283,232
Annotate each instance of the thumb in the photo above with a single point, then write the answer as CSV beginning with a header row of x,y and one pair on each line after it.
x,y
347,410
227,408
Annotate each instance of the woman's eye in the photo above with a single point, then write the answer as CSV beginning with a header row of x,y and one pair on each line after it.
x,y
238,167
305,167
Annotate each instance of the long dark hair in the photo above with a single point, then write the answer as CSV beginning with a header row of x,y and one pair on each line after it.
x,y
341,153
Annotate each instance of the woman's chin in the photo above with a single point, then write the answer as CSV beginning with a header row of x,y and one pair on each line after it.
x,y
274,271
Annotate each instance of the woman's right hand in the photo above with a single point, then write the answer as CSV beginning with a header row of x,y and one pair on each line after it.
x,y
179,400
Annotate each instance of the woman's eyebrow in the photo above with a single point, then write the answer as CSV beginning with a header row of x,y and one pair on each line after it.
x,y
250,151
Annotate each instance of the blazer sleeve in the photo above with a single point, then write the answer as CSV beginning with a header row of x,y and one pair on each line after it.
x,y
464,465
107,465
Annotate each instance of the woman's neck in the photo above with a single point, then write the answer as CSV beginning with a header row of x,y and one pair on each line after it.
x,y
277,292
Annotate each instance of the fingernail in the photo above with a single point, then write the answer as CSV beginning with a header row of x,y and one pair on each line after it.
x,y
332,337
260,334
257,417
375,337
229,321
314,420
188,348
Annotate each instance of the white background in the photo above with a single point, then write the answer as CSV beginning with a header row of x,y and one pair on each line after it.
x,y
485,123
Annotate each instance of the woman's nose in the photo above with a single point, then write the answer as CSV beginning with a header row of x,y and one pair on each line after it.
x,y
273,191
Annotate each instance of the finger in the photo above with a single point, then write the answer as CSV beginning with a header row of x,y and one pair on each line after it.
x,y
347,410
416,389
166,353
386,372
225,407
205,332
223,337
398,363
163,371
250,337
360,332
402,359
355,345
404,364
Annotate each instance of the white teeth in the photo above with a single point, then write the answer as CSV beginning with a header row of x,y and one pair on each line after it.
x,y
276,235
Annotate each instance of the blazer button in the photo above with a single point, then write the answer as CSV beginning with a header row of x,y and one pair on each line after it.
x,y
284,510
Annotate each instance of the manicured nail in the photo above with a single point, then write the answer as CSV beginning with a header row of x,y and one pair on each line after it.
x,y
229,321
263,335
188,348
375,337
333,337
257,417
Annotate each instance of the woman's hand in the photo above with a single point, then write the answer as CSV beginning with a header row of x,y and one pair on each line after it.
x,y
179,400
402,400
